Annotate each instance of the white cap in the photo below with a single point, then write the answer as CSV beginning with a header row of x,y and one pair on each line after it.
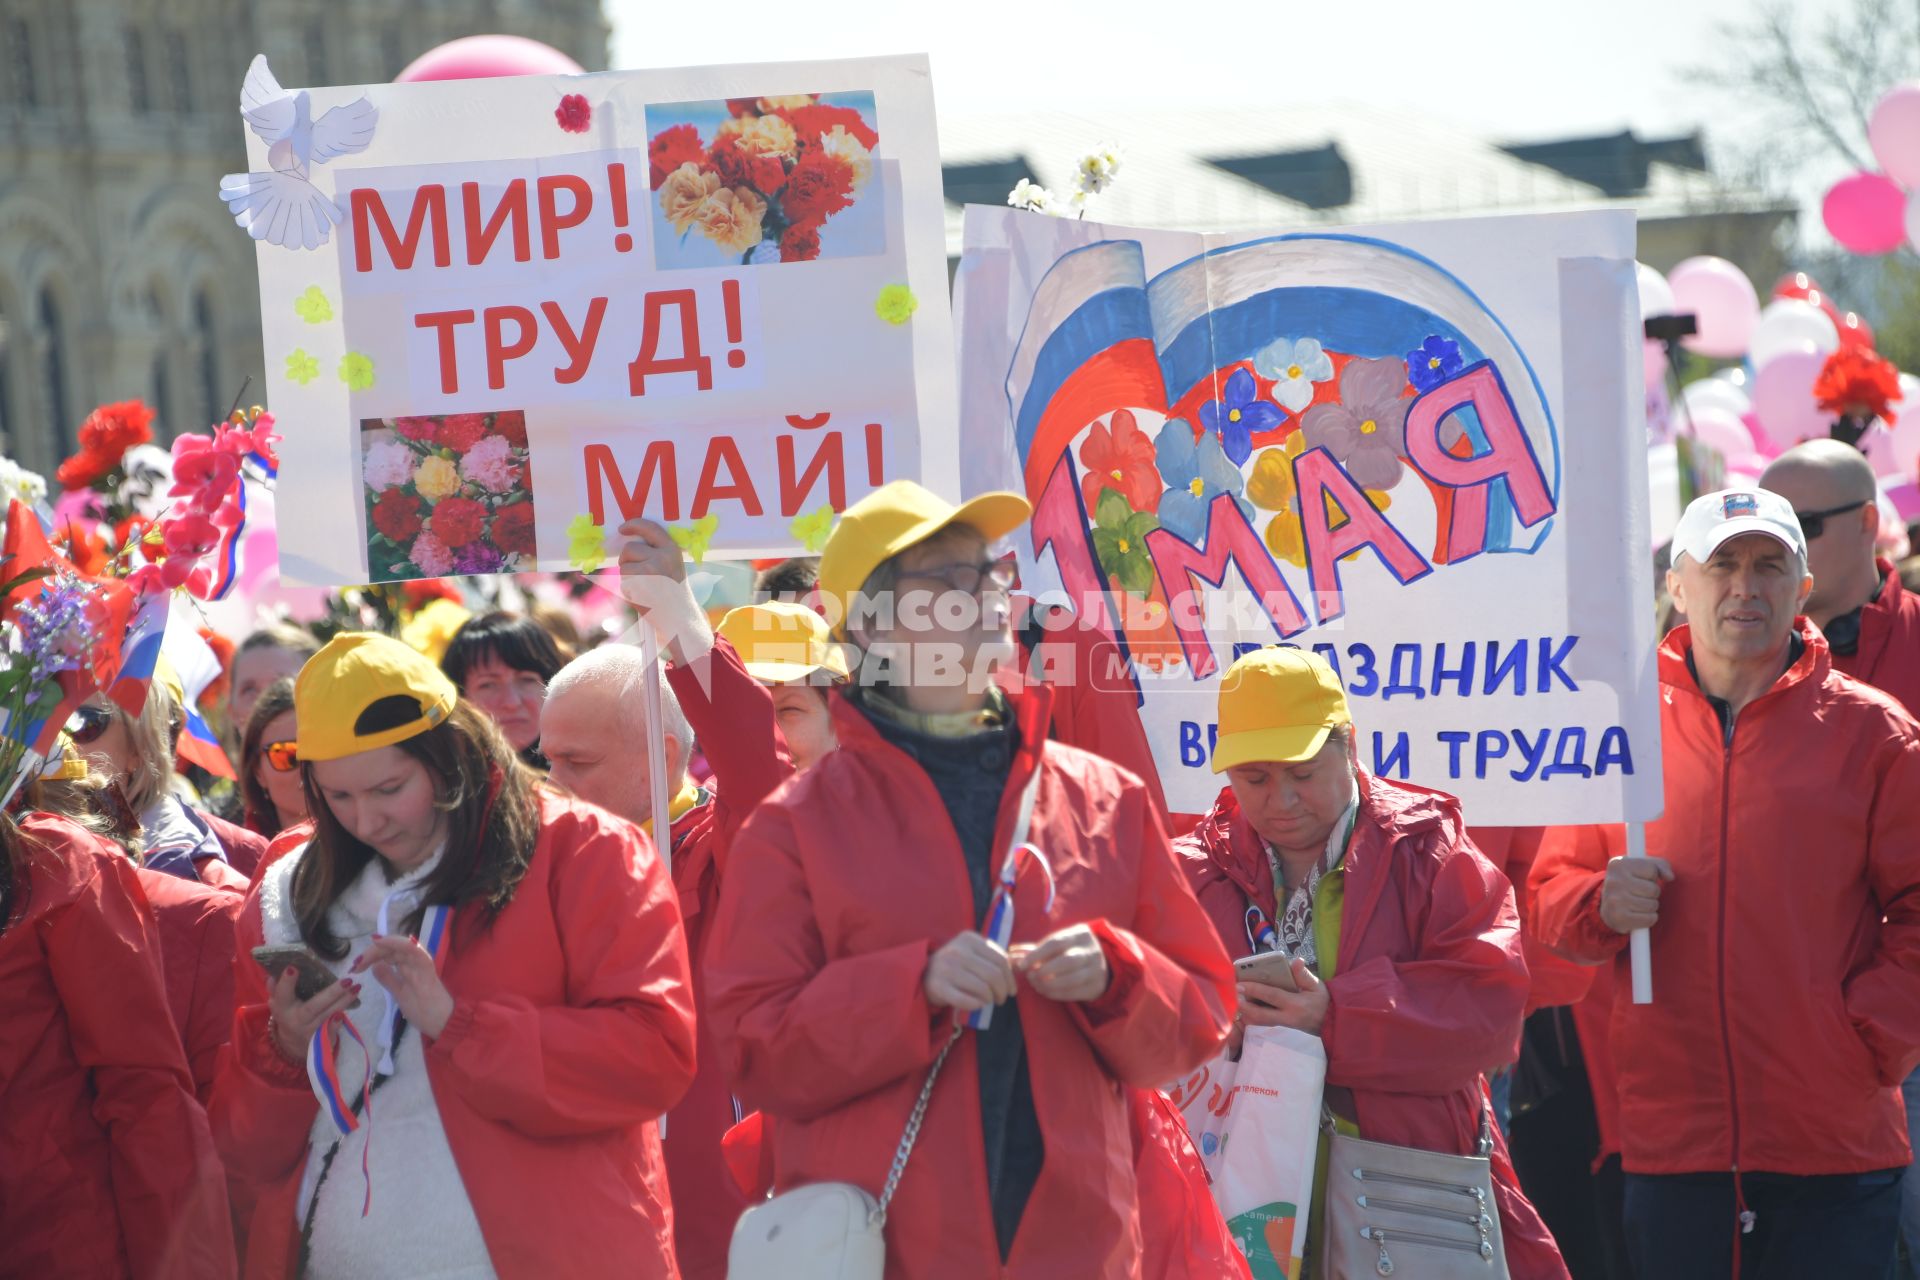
x,y
1712,518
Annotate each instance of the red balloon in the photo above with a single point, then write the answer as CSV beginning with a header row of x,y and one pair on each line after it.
x,y
1855,331
1795,284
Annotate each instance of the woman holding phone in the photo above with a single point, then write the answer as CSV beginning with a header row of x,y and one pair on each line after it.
x,y
508,1006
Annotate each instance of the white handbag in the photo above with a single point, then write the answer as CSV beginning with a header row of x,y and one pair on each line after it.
x,y
827,1230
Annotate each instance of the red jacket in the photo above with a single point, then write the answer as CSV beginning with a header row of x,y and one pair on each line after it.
x,y
1552,979
1888,655
843,883
733,721
572,1031
1428,985
106,1165
1786,963
244,847
196,923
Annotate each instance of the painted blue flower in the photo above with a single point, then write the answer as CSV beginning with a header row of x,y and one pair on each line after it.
x,y
1436,360
1237,414
1196,472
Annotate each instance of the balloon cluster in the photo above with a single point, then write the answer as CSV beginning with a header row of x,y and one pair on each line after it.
x,y
1877,212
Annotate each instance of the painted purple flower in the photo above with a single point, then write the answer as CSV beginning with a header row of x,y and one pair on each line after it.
x,y
1433,362
1366,431
1237,415
478,557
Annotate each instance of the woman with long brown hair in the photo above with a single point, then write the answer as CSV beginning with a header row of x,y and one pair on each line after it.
x,y
504,967
269,760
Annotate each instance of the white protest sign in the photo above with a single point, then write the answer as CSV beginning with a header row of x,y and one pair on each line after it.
x,y
501,316
1416,450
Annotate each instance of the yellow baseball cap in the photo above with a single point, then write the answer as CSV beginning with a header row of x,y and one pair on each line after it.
x,y
780,642
893,518
355,670
1277,704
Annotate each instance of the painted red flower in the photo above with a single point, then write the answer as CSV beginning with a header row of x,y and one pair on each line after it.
x,y
737,168
1858,382
513,425
420,430
513,528
397,515
819,185
1118,455
813,123
573,113
458,521
672,148
800,242
461,431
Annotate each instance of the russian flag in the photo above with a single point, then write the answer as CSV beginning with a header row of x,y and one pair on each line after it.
x,y
197,666
140,652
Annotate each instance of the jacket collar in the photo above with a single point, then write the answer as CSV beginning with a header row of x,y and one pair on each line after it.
x,y
1809,670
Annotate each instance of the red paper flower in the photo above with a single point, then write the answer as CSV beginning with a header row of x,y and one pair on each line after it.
x,y
672,148
765,174
573,113
202,473
819,185
420,430
105,437
813,123
190,536
397,515
1119,457
1857,382
513,425
800,242
461,431
458,521
513,528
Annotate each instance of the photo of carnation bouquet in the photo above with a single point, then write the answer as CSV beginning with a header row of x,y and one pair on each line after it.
x,y
761,180
448,494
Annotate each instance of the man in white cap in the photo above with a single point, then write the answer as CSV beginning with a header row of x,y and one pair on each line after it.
x,y
1760,1119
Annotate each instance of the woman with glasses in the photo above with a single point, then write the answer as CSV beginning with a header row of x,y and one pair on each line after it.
x,y
501,663
270,764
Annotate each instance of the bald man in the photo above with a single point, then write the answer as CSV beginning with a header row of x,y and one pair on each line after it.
x,y
1871,623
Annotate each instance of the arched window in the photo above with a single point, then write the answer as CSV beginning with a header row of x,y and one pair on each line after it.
x,y
179,72
162,389
139,94
26,86
212,406
53,364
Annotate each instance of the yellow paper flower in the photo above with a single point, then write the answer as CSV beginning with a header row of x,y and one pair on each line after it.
x,y
436,478
896,304
811,531
301,367
849,148
761,136
697,537
684,191
356,371
312,306
586,544
731,219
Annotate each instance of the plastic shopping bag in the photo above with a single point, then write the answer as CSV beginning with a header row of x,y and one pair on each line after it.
x,y
1263,1174
1203,1098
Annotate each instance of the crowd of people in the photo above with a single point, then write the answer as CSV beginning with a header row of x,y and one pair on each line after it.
x,y
434,989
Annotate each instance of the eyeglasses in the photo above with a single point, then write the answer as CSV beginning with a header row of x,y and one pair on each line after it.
x,y
87,723
995,575
281,756
1814,523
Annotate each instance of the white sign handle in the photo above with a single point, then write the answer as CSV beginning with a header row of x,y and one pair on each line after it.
x,y
657,763
1640,949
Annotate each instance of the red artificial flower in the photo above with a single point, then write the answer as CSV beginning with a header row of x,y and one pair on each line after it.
x,y
672,148
458,521
1119,457
189,536
813,123
86,549
765,174
132,532
513,528
397,515
421,591
1857,382
800,242
419,430
105,437
819,185
513,425
203,473
574,113
83,469
461,431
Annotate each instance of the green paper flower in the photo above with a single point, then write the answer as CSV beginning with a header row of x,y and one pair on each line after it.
x,y
697,537
811,531
1120,543
301,367
356,371
896,304
586,544
312,306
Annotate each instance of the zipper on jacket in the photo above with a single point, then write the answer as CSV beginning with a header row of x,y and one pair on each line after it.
x,y
1726,1023
1478,1221
1407,1180
1380,1237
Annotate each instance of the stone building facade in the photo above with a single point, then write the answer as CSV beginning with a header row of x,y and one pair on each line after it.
x,y
121,273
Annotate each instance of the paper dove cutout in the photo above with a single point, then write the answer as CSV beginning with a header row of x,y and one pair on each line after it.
x,y
282,206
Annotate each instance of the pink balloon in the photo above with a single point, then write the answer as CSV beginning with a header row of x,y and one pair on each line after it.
x,y
1894,132
1653,362
1866,213
1722,431
1783,398
1721,299
480,57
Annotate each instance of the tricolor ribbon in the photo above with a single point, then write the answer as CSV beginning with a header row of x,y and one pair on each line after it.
x,y
1260,932
999,930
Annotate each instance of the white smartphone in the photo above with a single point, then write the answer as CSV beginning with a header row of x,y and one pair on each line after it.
x,y
1271,967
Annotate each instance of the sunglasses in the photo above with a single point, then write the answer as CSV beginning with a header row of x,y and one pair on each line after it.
x,y
86,724
1814,523
281,756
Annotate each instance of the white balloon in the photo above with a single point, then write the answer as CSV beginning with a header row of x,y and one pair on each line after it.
x,y
1656,295
1734,375
1790,324
1713,394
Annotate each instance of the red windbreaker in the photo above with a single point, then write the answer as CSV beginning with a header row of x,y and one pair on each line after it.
x,y
841,886
1428,985
572,1031
196,923
106,1165
1786,963
1888,655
